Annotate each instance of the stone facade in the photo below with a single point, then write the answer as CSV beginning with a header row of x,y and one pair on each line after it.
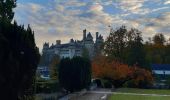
x,y
74,47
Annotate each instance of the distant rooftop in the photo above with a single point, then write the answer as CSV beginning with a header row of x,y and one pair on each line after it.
x,y
160,67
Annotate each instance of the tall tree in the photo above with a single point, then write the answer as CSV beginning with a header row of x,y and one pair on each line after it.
x,y
19,56
75,73
115,44
135,48
53,67
6,9
159,39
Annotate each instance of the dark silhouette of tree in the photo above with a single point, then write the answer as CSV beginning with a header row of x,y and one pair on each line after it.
x,y
135,49
6,9
19,56
115,44
75,73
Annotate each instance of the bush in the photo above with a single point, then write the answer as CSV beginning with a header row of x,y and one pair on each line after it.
x,y
47,86
140,78
75,73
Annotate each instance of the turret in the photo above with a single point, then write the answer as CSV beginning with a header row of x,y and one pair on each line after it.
x,y
46,45
97,35
84,34
89,37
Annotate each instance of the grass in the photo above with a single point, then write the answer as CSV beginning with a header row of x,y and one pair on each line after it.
x,y
135,97
144,91
140,97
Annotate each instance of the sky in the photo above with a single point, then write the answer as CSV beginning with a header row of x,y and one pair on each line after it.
x,y
62,20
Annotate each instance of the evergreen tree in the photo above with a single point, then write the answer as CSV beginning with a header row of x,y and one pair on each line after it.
x,y
135,49
6,9
75,73
19,56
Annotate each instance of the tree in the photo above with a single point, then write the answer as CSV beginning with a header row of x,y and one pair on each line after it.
x,y
140,78
114,71
120,74
53,67
75,73
135,49
85,53
19,56
6,9
115,44
159,39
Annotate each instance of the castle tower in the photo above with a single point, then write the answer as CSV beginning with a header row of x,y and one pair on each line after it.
x,y
45,47
97,35
84,34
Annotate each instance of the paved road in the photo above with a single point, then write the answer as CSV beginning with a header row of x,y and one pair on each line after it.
x,y
102,94
93,95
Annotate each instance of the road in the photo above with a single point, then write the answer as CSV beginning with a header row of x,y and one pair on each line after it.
x,y
93,95
102,94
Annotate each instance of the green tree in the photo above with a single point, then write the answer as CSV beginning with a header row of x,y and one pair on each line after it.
x,y
6,9
85,53
53,67
135,49
75,73
115,44
19,56
159,39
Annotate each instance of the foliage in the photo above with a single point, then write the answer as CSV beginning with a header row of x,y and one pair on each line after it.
x,y
75,73
6,9
47,86
102,67
120,73
115,44
19,55
126,46
158,51
140,78
53,67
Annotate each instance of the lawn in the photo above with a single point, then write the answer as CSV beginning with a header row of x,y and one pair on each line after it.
x,y
140,97
136,97
144,91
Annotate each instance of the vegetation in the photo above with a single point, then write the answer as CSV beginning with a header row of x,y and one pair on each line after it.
x,y
143,91
137,97
121,74
75,73
53,67
19,56
140,97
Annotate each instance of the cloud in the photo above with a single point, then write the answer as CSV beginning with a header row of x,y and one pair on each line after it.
x,y
167,2
132,6
64,20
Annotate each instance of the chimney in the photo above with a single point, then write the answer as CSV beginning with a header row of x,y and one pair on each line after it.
x,y
84,34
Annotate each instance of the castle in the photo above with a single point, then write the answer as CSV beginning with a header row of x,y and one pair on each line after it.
x,y
74,47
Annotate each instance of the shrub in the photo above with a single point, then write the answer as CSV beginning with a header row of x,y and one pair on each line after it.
x,y
75,73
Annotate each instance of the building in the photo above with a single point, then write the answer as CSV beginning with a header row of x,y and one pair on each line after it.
x,y
161,69
74,47
161,74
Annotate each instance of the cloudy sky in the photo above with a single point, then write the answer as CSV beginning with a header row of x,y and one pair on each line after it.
x,y
64,19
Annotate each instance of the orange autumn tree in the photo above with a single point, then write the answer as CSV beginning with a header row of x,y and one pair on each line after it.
x,y
119,73
104,68
140,78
